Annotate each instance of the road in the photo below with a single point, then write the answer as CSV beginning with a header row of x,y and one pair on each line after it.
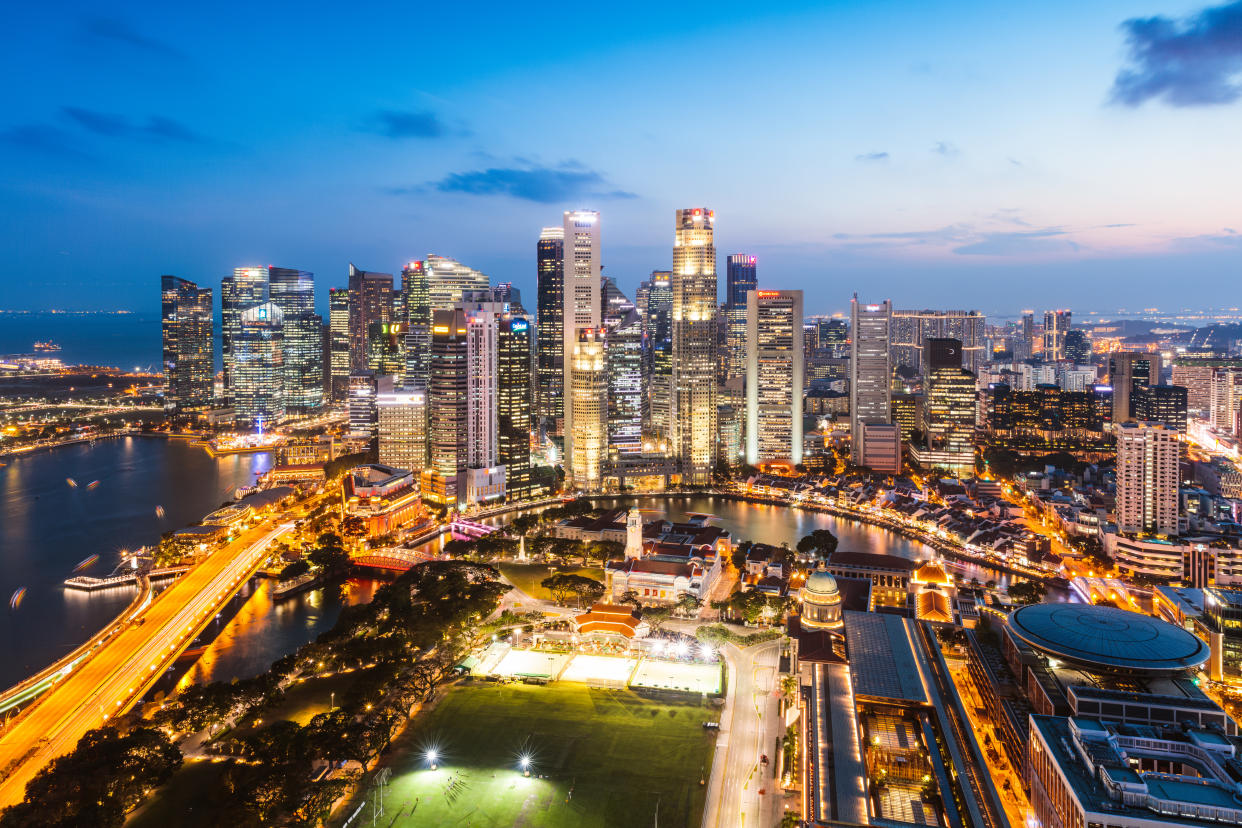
x,y
116,674
749,727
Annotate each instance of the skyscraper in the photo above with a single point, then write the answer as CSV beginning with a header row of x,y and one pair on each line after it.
x,y
448,279
740,280
1056,325
692,426
259,366
416,293
1147,478
370,301
658,354
293,291
911,327
513,403
338,346
1164,404
949,409
189,357
585,403
245,289
364,389
447,406
550,322
624,363
1077,347
1127,372
775,371
870,390
402,416
482,398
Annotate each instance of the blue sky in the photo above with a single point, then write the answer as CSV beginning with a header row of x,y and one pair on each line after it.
x,y
965,154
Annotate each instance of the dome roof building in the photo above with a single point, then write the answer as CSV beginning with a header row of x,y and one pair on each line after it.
x,y
821,602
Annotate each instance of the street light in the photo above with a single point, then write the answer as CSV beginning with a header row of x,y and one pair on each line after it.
x,y
525,762
432,757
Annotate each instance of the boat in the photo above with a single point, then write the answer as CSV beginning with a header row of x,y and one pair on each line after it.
x,y
47,346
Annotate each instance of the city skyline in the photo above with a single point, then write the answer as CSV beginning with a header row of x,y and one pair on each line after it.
x,y
971,161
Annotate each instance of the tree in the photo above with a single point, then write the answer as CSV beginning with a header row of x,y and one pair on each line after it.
x,y
630,597
822,542
656,616
1028,592
330,559
688,605
293,570
564,586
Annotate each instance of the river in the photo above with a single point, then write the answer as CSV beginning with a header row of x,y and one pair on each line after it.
x,y
48,526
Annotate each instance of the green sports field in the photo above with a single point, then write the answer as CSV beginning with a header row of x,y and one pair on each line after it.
x,y
598,758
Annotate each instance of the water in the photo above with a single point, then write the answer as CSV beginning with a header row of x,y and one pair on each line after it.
x,y
47,527
122,340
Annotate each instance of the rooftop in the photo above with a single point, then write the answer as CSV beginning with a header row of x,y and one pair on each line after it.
x,y
1107,639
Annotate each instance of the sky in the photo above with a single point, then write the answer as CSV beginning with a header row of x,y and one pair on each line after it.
x,y
939,154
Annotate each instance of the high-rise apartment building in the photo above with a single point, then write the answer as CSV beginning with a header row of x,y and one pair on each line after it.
x,y
1195,375
483,474
910,328
870,369
514,406
338,343
1224,399
245,289
775,369
585,404
259,366
658,355
1056,325
550,322
740,279
370,301
624,366
1129,371
416,298
448,280
189,356
402,423
692,426
1147,478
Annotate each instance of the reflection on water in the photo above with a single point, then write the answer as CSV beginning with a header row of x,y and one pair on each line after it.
x,y
265,630
47,527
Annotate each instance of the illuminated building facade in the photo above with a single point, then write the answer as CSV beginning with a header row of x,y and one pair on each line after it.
x,y
245,289
585,405
1056,325
949,409
402,424
370,302
1165,404
586,411
386,348
658,354
550,319
1129,371
259,366
740,279
1147,478
363,393
338,343
911,328
692,426
416,294
447,406
774,376
870,390
514,404
293,291
189,356
448,279
624,363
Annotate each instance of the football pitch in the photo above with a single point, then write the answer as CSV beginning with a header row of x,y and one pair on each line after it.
x,y
596,757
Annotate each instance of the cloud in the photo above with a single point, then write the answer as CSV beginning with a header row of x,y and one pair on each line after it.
x,y
1047,240
114,30
397,124
1196,61
953,233
945,148
156,128
545,185
872,156
44,139
1228,239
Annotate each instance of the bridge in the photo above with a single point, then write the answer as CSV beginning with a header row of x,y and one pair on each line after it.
x,y
114,676
397,559
462,529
